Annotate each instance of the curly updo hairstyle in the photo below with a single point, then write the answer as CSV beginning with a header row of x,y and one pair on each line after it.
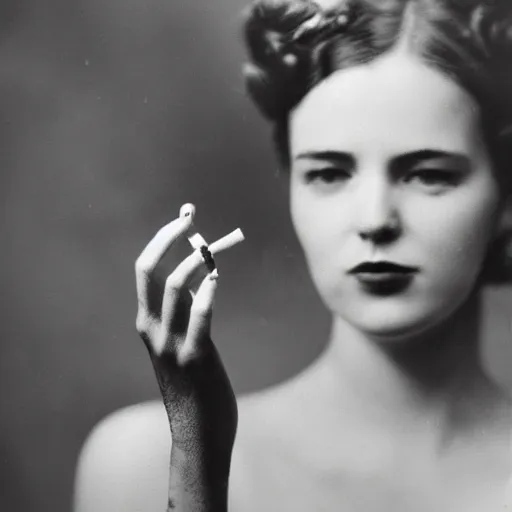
x,y
294,44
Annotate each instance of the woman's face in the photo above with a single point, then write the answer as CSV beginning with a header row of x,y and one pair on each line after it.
x,y
388,164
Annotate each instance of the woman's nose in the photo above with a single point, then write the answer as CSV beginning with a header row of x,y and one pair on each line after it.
x,y
377,216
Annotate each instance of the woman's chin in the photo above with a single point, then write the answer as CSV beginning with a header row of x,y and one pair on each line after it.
x,y
395,333
392,332
395,324
398,315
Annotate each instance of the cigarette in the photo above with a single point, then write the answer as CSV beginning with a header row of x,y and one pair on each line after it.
x,y
197,241
228,241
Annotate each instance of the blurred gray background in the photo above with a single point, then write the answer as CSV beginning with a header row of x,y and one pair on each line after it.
x,y
113,114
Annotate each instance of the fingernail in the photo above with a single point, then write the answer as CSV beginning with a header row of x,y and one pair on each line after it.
x,y
187,210
214,275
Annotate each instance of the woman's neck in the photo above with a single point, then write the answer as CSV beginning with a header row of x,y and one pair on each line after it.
x,y
433,385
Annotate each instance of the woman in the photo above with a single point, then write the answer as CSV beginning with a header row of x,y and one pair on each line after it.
x,y
393,120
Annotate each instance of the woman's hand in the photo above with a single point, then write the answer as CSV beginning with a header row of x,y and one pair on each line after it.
x,y
195,388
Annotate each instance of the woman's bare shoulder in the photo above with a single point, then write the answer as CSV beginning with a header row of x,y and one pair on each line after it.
x,y
124,461
144,428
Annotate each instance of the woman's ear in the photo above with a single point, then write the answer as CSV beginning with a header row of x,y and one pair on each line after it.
x,y
497,266
503,218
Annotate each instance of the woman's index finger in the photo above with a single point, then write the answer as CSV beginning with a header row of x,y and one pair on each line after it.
x,y
162,241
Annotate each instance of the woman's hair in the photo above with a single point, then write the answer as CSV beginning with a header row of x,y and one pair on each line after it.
x,y
295,44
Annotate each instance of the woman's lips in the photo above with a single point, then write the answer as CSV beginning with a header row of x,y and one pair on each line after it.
x,y
382,266
385,283
378,277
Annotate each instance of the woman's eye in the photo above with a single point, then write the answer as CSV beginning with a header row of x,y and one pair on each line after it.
x,y
431,177
326,175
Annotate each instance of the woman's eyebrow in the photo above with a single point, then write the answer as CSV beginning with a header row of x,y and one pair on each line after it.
x,y
336,156
401,161
409,159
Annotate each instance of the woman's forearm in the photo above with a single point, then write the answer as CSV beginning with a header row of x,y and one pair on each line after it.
x,y
196,484
196,390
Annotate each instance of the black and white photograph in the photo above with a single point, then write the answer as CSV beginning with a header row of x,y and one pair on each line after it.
x,y
257,256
